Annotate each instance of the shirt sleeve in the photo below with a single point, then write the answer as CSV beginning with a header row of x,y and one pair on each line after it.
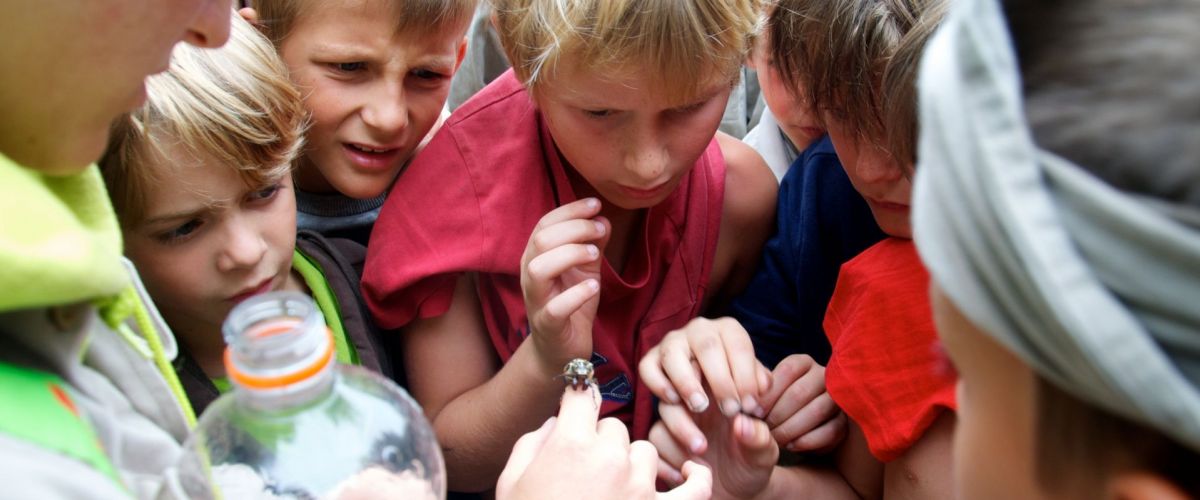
x,y
425,237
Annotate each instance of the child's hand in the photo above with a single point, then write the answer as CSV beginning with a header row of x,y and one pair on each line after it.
x,y
574,450
741,453
801,414
720,352
560,277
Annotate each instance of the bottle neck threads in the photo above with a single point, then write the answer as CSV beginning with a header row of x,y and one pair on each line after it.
x,y
279,353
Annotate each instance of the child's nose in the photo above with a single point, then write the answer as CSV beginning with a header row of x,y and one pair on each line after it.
x,y
244,248
647,160
387,112
878,166
210,27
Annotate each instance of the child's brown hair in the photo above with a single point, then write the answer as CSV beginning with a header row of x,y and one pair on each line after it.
x,y
857,58
412,16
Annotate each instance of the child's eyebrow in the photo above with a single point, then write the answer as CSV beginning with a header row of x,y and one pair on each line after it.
x,y
182,214
341,50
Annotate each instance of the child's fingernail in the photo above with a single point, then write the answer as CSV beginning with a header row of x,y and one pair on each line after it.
x,y
592,203
593,251
730,407
672,396
697,445
599,227
675,478
697,402
750,405
593,284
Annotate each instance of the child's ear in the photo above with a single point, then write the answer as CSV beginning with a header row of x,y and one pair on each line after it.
x,y
1139,485
249,14
462,53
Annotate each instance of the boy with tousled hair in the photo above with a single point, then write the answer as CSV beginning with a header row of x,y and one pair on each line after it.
x,y
200,177
89,404
578,207
884,371
1056,208
375,75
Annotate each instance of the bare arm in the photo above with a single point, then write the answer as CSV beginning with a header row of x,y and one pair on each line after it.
x,y
924,470
478,408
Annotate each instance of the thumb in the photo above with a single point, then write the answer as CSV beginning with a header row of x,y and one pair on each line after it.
x,y
523,454
697,486
754,440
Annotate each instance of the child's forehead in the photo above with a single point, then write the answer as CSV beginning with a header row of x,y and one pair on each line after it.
x,y
628,83
398,16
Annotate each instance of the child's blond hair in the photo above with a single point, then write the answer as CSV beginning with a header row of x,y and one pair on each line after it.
x,y
858,59
420,17
234,104
680,44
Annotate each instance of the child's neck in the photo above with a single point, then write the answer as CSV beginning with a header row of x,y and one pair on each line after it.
x,y
625,223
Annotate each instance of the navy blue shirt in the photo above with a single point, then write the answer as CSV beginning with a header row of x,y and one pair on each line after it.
x,y
821,223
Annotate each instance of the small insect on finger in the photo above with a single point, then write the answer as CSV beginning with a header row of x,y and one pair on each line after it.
x,y
579,374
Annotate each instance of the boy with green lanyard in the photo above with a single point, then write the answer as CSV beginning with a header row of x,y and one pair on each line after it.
x,y
87,407
201,181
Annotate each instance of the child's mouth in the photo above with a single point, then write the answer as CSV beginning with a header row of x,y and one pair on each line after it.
x,y
371,158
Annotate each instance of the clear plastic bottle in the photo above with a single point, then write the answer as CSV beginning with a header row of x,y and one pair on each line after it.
x,y
299,425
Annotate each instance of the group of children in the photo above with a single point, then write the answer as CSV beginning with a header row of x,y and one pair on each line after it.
x,y
584,205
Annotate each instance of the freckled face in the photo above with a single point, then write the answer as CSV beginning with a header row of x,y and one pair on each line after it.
x,y
631,144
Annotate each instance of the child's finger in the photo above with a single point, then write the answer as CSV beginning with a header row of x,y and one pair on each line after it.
x,y
561,306
825,437
786,373
548,266
643,463
743,365
697,486
522,455
754,438
669,449
669,474
816,413
655,379
683,428
612,432
565,232
578,209
709,350
675,358
578,413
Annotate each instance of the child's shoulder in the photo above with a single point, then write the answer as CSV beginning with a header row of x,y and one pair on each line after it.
x,y
503,96
750,186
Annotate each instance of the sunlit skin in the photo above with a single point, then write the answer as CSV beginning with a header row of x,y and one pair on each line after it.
x,y
59,127
373,93
209,241
884,183
626,142
994,439
792,113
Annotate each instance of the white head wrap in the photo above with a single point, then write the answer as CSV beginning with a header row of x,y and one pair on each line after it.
x,y
1097,290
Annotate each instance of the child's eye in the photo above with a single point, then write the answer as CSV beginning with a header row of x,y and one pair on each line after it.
x,y
265,194
349,67
180,233
598,113
425,74
691,108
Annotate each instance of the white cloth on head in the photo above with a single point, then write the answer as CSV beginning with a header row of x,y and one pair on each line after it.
x,y
1097,290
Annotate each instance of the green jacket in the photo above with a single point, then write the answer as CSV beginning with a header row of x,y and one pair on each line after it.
x,y
75,321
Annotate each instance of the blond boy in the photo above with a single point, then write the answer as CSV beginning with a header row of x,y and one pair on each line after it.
x,y
201,181
578,207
